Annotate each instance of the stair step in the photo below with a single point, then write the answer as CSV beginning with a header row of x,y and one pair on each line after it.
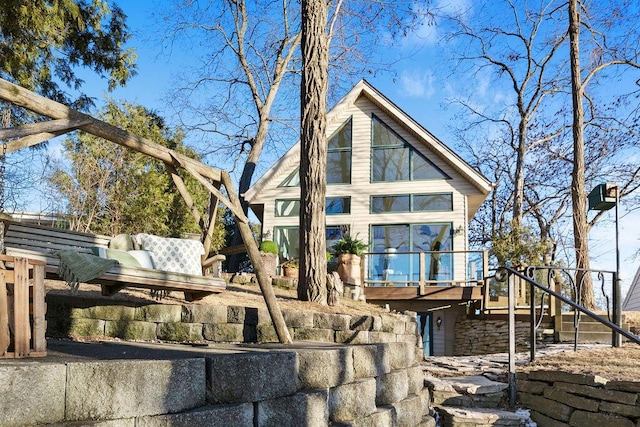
x,y
568,317
459,417
586,336
470,391
589,327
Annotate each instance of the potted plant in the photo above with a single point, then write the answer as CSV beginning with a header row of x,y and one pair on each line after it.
x,y
269,255
290,268
348,250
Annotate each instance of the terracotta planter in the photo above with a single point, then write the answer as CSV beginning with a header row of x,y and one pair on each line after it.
x,y
349,269
290,272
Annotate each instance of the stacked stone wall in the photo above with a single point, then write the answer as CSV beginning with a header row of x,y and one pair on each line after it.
x,y
484,336
566,399
93,317
368,385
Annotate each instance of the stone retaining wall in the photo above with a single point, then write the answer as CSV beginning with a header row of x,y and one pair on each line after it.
x,y
84,317
484,336
359,385
565,399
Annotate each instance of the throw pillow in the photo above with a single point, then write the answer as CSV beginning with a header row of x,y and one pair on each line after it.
x,y
171,254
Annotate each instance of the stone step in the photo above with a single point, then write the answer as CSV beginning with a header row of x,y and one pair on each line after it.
x,y
470,391
589,327
586,337
479,417
568,317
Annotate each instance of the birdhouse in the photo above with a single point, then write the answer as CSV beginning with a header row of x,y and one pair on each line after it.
x,y
603,197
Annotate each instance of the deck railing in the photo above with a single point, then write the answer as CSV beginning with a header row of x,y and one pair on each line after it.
x,y
425,268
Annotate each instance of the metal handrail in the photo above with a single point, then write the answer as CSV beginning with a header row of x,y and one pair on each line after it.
x,y
502,274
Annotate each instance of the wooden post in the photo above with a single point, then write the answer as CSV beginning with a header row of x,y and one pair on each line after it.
x,y
263,278
5,338
21,326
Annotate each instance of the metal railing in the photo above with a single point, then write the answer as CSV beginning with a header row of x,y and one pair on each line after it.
x,y
425,268
503,274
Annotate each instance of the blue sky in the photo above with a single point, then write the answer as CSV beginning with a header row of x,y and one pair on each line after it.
x,y
418,87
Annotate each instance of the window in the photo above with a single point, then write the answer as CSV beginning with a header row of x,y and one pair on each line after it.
x,y
412,203
338,159
288,239
333,206
393,159
402,268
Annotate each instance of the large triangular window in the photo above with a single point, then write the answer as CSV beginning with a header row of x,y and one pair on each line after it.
x,y
338,159
393,159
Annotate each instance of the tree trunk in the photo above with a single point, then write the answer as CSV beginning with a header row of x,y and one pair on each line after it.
x,y
521,152
578,191
313,154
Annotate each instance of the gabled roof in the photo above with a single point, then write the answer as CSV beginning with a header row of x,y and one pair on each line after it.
x,y
632,300
364,88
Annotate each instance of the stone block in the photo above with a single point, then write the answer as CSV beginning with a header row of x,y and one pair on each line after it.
x,y
408,412
370,361
547,407
416,379
86,327
361,322
320,368
480,417
412,327
543,420
382,337
393,323
246,315
180,332
401,355
533,387
337,322
572,400
200,313
265,332
582,418
619,409
313,334
630,386
352,337
566,377
598,393
229,332
32,393
159,313
297,319
132,330
250,377
382,417
127,388
392,387
301,409
214,416
110,312
414,340
352,401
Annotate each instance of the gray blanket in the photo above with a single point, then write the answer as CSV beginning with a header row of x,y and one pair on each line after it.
x,y
76,268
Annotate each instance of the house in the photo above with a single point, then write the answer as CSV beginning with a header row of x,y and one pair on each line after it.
x,y
394,185
632,300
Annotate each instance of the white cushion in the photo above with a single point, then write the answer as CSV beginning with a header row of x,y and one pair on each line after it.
x,y
143,257
176,255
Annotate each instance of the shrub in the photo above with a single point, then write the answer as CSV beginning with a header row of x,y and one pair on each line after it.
x,y
269,246
349,245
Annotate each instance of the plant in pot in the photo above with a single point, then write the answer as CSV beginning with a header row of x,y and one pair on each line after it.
x,y
290,268
348,250
269,255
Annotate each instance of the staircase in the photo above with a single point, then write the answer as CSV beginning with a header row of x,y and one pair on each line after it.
x,y
589,330
472,401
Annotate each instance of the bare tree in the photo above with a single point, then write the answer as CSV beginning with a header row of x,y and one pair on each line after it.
x,y
313,153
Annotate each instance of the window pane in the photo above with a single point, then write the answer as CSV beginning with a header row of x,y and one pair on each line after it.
x,y
390,164
287,207
424,169
390,239
342,139
432,202
293,180
339,167
334,233
433,237
288,240
384,135
338,205
381,204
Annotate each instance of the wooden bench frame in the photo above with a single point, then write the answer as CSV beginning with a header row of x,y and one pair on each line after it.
x,y
39,242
